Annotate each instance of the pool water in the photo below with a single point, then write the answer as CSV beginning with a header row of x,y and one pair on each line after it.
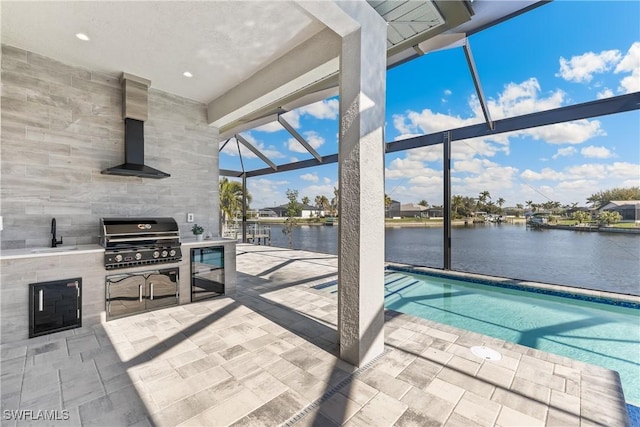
x,y
601,334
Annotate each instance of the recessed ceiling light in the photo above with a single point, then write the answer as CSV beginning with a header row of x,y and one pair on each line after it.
x,y
83,37
187,74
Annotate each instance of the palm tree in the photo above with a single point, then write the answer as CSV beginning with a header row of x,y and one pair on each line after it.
x,y
306,200
484,196
457,202
424,203
321,203
529,204
387,201
335,202
231,198
520,207
500,202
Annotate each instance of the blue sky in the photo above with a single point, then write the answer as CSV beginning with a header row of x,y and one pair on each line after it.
x,y
562,53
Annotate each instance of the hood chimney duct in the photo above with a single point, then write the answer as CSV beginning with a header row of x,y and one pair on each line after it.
x,y
135,112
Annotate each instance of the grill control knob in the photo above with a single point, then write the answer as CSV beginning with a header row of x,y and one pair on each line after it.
x,y
118,258
172,252
156,254
138,256
164,253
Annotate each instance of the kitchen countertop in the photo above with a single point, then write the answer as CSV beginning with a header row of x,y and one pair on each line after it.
x,y
191,241
8,254
41,252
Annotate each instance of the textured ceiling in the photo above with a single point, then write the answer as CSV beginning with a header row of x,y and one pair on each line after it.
x,y
221,43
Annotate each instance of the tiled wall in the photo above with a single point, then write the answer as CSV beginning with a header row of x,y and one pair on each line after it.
x,y
62,125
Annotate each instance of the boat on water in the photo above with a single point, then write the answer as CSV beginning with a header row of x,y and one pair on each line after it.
x,y
538,220
330,220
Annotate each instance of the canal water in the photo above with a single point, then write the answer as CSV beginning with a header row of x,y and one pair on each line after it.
x,y
601,261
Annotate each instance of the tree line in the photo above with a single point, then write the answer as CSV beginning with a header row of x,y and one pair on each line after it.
x,y
230,193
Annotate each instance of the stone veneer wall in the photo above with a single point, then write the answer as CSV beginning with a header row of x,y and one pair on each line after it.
x,y
62,125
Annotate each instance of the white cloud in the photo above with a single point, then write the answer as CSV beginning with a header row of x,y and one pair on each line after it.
x,y
546,174
266,192
312,138
630,64
625,170
520,98
293,118
447,92
326,109
469,148
605,93
576,183
581,68
494,179
472,166
587,170
309,177
428,121
432,153
564,152
431,192
269,127
515,100
326,180
596,152
575,132
401,168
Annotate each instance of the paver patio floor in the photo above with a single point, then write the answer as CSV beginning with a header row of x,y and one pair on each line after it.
x,y
268,357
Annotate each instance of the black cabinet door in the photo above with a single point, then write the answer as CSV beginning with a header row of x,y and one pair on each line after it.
x,y
55,306
162,289
126,295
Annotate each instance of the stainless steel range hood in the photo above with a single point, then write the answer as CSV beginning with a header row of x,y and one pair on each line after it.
x,y
134,109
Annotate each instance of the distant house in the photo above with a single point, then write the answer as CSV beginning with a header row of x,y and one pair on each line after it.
x,y
628,209
266,213
435,212
410,210
307,211
393,209
413,210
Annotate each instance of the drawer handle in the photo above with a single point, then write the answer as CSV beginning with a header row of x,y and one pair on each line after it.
x,y
41,300
151,284
140,292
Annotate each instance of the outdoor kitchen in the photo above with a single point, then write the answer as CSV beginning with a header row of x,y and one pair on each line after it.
x,y
103,179
146,278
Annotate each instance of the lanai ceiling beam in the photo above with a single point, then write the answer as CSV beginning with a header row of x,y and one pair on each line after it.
x,y
257,152
476,82
231,173
299,137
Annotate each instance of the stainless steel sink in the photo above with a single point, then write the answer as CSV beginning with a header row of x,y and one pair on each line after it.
x,y
56,249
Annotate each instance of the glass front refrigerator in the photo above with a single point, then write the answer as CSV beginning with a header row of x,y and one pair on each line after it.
x,y
207,272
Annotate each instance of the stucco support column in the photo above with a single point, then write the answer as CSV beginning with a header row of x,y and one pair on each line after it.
x,y
361,182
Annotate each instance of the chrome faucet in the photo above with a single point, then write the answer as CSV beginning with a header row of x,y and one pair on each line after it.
x,y
54,242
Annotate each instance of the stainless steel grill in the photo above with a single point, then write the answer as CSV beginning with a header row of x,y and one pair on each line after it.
x,y
130,242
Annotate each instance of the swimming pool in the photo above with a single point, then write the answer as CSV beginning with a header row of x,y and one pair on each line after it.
x,y
594,332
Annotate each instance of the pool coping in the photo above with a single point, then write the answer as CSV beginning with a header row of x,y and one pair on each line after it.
x,y
590,295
